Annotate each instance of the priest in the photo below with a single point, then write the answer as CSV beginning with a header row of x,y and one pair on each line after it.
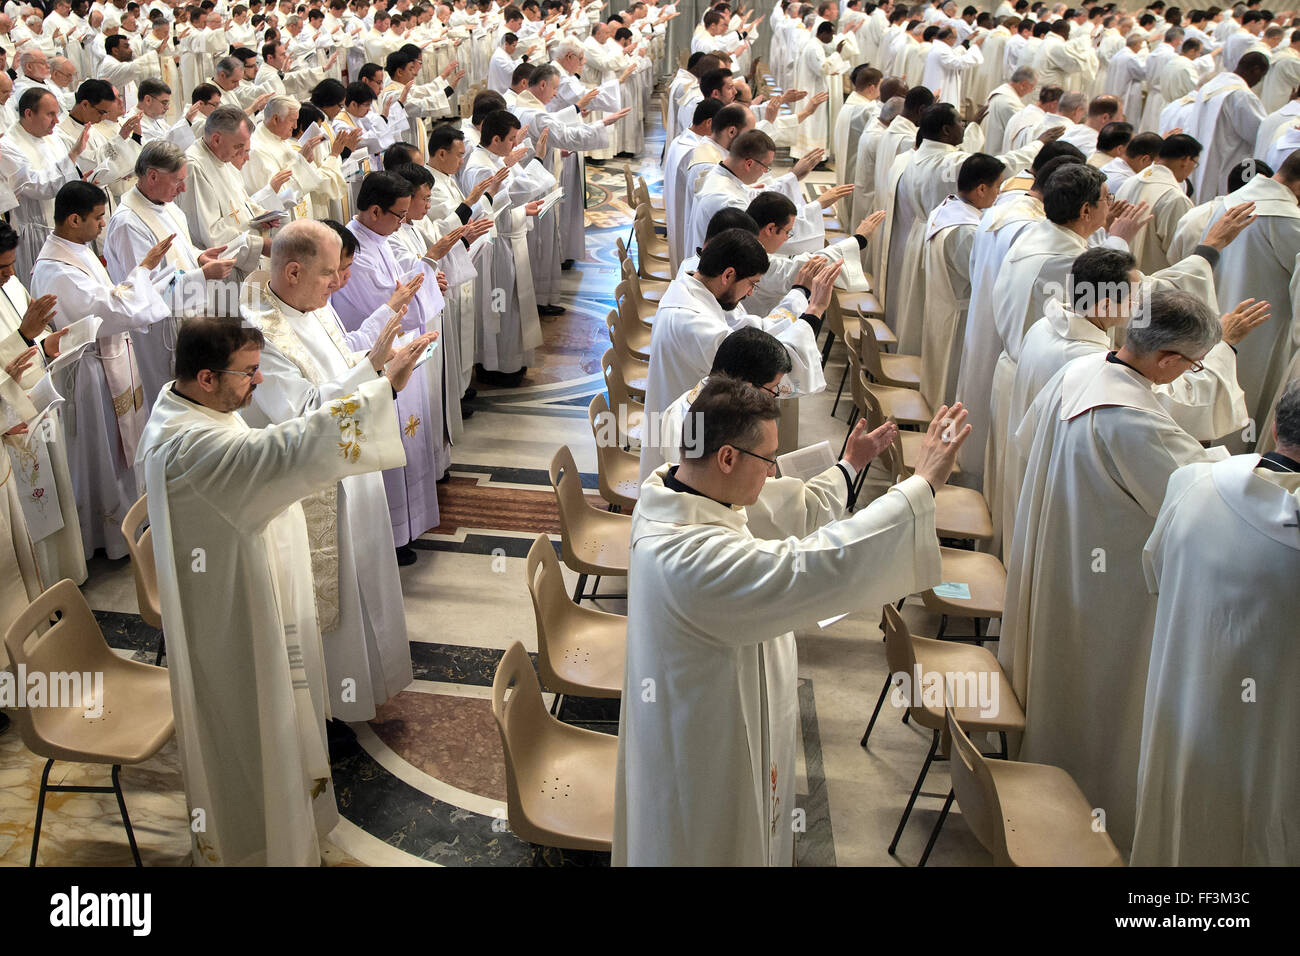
x,y
1211,789
244,653
706,764
1076,633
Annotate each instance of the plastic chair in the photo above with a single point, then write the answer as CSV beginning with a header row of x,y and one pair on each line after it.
x,y
911,655
136,719
986,577
651,250
900,371
559,778
633,369
631,418
647,290
618,471
960,514
591,541
1025,814
635,332
140,547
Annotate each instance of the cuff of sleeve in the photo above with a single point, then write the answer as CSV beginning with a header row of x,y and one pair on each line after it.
x,y
862,241
1208,253
850,473
807,292
463,212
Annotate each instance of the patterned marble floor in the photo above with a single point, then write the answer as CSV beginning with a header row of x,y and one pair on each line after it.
x,y
425,784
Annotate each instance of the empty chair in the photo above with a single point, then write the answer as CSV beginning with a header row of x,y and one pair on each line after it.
x,y
618,471
1025,814
960,514
901,371
642,195
651,250
592,541
559,778
140,547
642,307
983,575
646,290
135,718
634,369
909,656
630,413
635,331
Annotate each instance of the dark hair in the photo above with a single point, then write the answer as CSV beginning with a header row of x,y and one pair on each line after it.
x,y
1069,189
486,102
523,73
1103,105
713,81
751,144
1287,415
326,93
358,92
1178,146
733,249
729,217
417,176
706,110
444,136
345,236
771,207
1246,170
731,115
307,114
204,92
31,99
8,238
497,125
399,154
209,342
382,189
77,198
936,119
918,98
979,169
730,412
1055,150
1101,273
751,355
153,87
369,71
96,91
1114,135
113,42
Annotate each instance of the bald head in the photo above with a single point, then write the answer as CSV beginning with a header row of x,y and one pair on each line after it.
x,y
305,264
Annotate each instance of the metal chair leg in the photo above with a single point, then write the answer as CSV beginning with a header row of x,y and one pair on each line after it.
x,y
852,421
938,825
126,819
880,701
40,809
840,391
577,591
911,801
162,649
826,350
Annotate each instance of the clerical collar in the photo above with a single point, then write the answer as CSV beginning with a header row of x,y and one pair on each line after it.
x,y
672,483
1276,461
1114,359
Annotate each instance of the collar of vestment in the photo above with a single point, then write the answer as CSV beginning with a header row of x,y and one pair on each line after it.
x,y
1267,507
1071,325
688,292
364,234
1119,164
856,99
931,147
673,483
1046,238
1096,382
527,98
953,211
1270,197
662,504
1006,90
1276,461
174,416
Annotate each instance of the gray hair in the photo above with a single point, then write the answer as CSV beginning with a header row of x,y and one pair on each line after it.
x,y
225,120
1074,100
569,45
300,241
278,106
891,109
1025,74
160,155
1173,321
230,66
26,56
543,73
293,21
1287,416
1133,41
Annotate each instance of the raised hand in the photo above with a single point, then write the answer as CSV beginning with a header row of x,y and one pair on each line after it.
x,y
833,195
868,226
401,366
280,178
804,166
37,317
613,118
823,286
1130,222
863,445
1230,225
808,271
404,293
156,254
21,363
1249,314
476,227
938,452
440,248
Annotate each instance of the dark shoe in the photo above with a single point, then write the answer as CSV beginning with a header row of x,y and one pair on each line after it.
x,y
405,556
4,723
341,738
471,393
466,411
595,162
550,310
566,265
493,378
446,477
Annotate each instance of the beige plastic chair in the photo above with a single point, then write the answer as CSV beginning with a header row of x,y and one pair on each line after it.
x,y
635,332
906,406
651,251
910,441
580,650
629,186
886,368
641,192
140,547
960,514
635,371
631,421
591,541
137,702
1025,814
642,307
647,290
559,778
618,471
986,577
905,654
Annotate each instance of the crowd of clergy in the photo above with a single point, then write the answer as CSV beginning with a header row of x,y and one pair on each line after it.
x,y
256,256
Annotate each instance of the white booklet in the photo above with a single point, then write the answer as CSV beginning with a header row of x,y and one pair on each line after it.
x,y
807,462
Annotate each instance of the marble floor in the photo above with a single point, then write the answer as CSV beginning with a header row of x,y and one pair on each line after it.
x,y
425,783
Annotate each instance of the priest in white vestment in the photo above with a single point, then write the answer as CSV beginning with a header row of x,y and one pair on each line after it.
x,y
711,612
244,653
311,359
36,162
146,216
1160,186
1224,117
1076,632
701,307
1005,102
1212,789
948,66
676,156
105,413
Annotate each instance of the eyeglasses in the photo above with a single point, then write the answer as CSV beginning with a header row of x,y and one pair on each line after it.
x,y
782,390
766,167
771,462
399,216
1195,365
247,373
